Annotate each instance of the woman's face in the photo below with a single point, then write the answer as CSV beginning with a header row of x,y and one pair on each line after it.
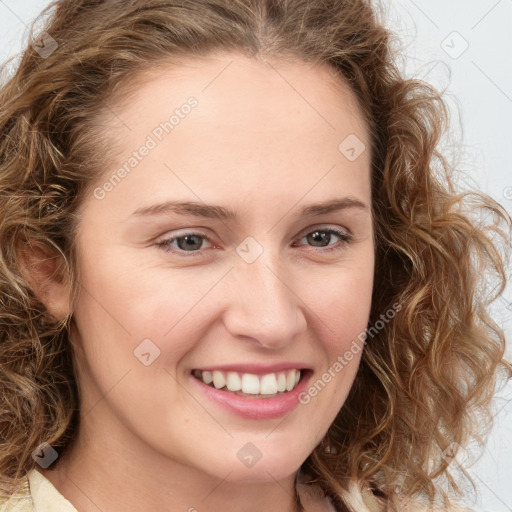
x,y
248,285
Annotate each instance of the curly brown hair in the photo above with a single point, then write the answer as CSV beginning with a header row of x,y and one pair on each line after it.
x,y
426,379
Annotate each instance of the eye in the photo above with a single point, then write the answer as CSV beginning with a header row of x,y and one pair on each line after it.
x,y
187,243
324,236
191,242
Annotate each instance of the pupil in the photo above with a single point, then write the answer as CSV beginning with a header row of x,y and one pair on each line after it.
x,y
188,243
320,234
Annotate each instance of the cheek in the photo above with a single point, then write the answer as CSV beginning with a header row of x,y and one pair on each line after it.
x,y
125,298
129,302
341,301
341,304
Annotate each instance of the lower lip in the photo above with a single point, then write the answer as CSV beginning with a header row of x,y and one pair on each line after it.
x,y
255,408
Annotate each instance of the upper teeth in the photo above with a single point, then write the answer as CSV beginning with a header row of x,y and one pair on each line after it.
x,y
250,383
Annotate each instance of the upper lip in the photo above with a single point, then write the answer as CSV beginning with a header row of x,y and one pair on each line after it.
x,y
254,368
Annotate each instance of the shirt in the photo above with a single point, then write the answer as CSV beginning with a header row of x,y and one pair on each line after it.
x,y
38,494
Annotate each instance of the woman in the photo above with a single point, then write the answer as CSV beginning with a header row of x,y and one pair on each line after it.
x,y
233,275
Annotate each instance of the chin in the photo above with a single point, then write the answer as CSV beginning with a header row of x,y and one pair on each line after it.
x,y
269,468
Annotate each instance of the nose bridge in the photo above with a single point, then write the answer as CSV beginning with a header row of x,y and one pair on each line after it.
x,y
264,305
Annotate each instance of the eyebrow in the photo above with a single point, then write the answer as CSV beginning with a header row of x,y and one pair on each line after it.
x,y
210,211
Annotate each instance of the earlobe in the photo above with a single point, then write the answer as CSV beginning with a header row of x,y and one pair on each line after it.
x,y
42,269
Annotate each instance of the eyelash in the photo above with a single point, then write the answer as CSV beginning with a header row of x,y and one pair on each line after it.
x,y
346,238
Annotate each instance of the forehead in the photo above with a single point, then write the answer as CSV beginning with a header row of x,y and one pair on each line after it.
x,y
280,127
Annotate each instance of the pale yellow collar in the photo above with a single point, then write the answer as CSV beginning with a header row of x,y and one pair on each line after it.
x,y
45,496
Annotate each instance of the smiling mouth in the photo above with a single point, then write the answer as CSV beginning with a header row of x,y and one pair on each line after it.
x,y
251,385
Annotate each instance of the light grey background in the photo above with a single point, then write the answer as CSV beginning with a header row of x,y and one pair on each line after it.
x,y
478,82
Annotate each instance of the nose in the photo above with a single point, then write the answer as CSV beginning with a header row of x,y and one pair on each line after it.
x,y
263,307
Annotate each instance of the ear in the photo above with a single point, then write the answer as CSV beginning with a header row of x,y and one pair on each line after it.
x,y
42,269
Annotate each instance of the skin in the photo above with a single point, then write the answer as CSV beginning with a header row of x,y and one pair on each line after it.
x,y
263,141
